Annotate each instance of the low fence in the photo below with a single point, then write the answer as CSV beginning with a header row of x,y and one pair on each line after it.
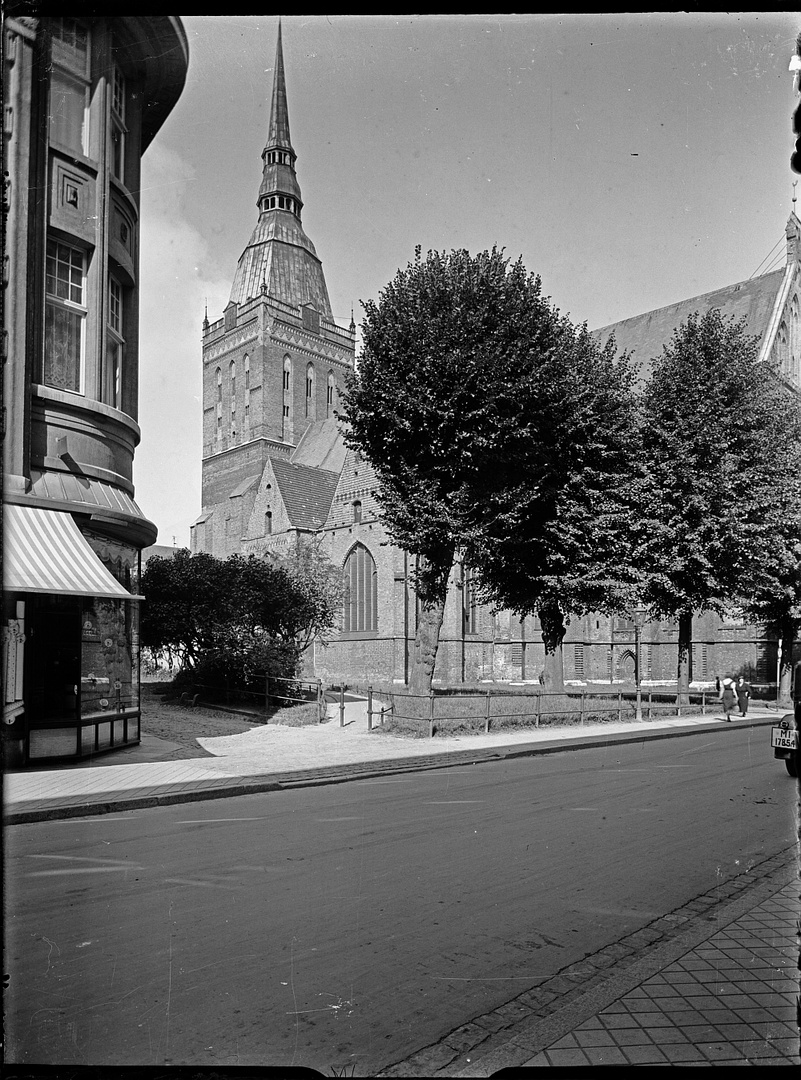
x,y
476,712
276,693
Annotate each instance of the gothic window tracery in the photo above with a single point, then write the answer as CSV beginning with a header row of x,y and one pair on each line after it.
x,y
360,579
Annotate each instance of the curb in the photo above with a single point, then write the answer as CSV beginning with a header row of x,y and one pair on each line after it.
x,y
358,770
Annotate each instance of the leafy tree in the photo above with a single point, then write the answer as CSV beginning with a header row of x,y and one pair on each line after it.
x,y
716,432
775,601
464,402
317,581
230,618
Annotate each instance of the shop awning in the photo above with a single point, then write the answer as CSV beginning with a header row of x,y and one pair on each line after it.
x,y
44,551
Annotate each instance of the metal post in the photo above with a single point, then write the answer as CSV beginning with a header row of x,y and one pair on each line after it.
x,y
581,709
619,705
369,708
487,715
650,697
320,702
267,693
539,704
342,706
638,710
431,714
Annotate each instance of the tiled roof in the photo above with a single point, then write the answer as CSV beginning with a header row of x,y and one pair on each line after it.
x,y
321,446
644,335
246,485
306,492
281,254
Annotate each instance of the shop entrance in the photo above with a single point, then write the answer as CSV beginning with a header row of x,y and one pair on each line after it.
x,y
54,657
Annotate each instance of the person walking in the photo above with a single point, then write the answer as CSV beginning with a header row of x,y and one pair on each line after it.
x,y
729,698
743,691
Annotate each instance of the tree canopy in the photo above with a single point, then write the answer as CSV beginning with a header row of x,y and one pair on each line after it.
x,y
237,615
718,437
495,429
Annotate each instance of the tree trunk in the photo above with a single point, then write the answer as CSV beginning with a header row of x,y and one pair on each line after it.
x,y
432,585
552,623
683,667
783,693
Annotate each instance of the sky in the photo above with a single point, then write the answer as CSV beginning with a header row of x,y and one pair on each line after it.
x,y
631,160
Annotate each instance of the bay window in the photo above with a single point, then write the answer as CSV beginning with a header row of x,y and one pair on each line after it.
x,y
111,388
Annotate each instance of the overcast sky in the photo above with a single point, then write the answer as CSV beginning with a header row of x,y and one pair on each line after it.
x,y
632,161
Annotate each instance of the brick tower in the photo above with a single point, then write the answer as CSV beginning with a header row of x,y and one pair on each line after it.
x,y
274,364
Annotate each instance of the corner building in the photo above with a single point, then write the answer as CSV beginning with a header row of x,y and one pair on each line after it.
x,y
275,467
84,98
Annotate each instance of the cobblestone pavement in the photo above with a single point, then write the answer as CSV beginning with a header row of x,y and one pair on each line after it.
x,y
713,983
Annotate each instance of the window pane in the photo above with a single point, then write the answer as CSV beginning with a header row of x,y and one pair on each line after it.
x,y
67,111
112,373
70,43
62,361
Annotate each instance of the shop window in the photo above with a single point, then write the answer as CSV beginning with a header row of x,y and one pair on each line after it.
x,y
65,317
361,591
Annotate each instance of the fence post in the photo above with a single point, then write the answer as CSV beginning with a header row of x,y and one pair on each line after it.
x,y
487,715
539,704
320,702
619,706
342,706
431,714
703,703
266,693
369,708
650,695
581,709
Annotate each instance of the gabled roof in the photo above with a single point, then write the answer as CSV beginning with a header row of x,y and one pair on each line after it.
x,y
644,335
245,486
305,491
321,446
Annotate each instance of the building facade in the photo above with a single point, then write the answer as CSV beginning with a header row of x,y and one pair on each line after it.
x,y
275,468
84,97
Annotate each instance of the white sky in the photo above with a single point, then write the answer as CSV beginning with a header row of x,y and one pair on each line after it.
x,y
632,160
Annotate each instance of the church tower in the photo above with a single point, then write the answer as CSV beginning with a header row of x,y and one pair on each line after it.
x,y
274,363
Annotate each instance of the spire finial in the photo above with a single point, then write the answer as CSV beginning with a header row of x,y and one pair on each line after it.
x,y
352,323
206,315
278,133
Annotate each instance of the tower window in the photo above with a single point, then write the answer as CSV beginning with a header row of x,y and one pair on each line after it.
x,y
287,371
219,384
268,523
357,511
361,591
310,390
65,317
329,394
247,371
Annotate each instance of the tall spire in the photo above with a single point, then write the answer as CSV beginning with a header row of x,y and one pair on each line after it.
x,y
278,134
280,260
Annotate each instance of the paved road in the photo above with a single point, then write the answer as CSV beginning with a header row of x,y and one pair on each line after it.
x,y
351,925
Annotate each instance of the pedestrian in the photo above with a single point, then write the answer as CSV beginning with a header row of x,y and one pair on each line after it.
x,y
729,698
743,691
718,687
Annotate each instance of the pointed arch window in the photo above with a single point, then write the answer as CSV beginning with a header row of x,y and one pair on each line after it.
x,y
329,394
360,579
268,523
233,399
310,390
219,403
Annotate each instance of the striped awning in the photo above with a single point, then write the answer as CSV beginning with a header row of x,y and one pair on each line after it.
x,y
44,551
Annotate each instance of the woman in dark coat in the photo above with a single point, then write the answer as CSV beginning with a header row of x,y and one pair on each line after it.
x,y
743,691
729,698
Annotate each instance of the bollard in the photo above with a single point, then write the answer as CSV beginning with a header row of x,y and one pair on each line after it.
x,y
342,706
619,706
487,715
369,708
431,714
649,704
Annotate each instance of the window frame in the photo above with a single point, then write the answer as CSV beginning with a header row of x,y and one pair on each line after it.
x,y
54,302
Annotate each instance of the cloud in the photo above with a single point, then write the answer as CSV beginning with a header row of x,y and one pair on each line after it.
x,y
177,275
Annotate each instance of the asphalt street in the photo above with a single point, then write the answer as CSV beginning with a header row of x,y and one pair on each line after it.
x,y
350,925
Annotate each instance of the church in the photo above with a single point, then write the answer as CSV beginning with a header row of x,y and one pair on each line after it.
x,y
275,466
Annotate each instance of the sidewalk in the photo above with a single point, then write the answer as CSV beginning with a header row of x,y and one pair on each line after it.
x,y
271,757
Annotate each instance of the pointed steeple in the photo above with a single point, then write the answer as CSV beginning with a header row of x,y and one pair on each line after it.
x,y
278,135
279,253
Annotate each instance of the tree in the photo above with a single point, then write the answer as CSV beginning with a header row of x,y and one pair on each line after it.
x,y
714,423
232,617
455,402
317,581
559,535
775,601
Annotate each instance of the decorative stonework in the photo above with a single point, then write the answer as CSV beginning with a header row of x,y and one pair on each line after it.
x,y
231,342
